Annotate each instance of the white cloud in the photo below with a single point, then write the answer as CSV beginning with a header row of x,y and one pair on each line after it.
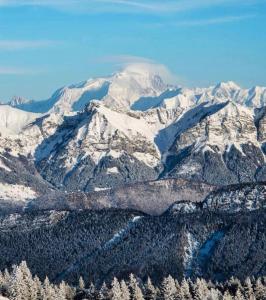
x,y
213,21
124,59
25,44
10,70
139,6
138,63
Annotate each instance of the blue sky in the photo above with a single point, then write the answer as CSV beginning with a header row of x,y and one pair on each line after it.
x,y
46,44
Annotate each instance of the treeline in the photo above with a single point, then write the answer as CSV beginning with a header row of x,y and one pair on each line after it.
x,y
19,284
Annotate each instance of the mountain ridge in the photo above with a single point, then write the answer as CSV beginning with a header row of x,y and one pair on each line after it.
x,y
216,135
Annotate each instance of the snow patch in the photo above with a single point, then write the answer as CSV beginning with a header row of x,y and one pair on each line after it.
x,y
119,235
146,158
98,189
16,192
113,170
190,251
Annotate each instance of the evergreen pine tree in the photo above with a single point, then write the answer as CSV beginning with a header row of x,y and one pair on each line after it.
x,y
7,276
200,289
178,291
150,290
185,291
234,284
136,292
92,292
16,285
31,290
239,295
260,290
227,295
169,291
116,290
48,291
124,291
104,292
214,294
21,285
81,283
38,287
248,290
61,291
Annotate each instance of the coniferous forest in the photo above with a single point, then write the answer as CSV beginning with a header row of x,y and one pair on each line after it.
x,y
19,284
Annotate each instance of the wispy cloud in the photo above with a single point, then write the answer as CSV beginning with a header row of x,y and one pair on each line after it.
x,y
7,70
137,63
138,6
213,21
124,59
25,44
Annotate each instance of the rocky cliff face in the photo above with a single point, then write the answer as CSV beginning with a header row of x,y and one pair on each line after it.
x,y
225,146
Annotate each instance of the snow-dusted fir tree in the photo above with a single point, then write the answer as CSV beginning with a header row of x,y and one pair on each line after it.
x,y
239,295
116,290
169,291
28,281
21,284
214,294
16,286
200,289
48,291
92,292
150,290
260,290
61,291
124,290
185,290
136,292
104,292
227,296
38,287
248,290
81,283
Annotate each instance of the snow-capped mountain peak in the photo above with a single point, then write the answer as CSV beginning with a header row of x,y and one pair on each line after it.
x,y
16,101
229,85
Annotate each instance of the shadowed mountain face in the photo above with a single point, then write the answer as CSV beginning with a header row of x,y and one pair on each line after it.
x,y
218,238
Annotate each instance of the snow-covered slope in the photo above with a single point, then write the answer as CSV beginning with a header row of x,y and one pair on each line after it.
x,y
220,146
90,144
121,90
138,126
13,121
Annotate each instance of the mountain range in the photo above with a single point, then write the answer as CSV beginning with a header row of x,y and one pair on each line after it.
x,y
129,128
